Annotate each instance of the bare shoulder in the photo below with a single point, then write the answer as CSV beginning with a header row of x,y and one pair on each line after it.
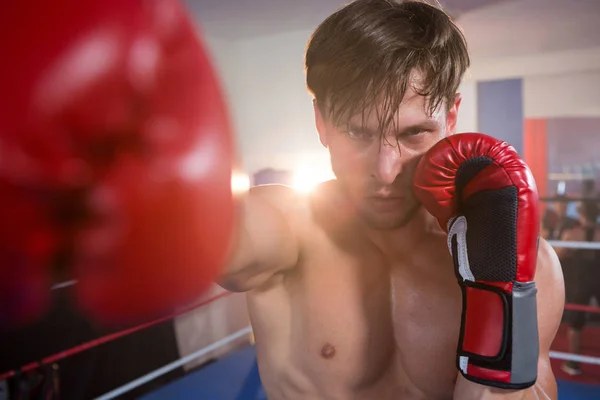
x,y
281,197
292,203
321,209
331,212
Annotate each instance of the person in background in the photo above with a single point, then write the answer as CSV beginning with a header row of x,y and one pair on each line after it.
x,y
582,276
556,220
588,188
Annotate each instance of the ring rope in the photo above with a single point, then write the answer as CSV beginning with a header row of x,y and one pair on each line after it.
x,y
63,285
574,245
105,339
559,355
569,176
582,307
569,199
176,364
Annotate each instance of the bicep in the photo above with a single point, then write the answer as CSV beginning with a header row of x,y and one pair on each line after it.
x,y
550,308
551,294
266,243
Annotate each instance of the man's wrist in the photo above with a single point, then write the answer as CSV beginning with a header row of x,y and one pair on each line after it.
x,y
469,390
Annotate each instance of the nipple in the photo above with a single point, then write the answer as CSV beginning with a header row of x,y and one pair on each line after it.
x,y
327,351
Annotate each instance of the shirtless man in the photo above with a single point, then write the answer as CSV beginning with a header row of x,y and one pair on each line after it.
x,y
352,290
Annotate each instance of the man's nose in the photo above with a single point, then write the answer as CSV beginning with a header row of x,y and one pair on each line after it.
x,y
389,161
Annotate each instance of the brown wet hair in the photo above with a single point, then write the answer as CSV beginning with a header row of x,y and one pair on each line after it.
x,y
367,54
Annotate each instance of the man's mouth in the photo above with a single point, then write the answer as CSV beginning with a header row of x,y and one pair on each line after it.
x,y
387,203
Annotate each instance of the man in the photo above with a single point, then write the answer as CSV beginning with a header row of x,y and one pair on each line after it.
x,y
588,188
352,291
582,276
556,220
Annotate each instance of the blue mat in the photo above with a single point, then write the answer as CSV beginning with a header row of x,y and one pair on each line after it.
x,y
577,391
235,377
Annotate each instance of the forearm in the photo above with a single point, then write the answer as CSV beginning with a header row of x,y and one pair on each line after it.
x,y
467,390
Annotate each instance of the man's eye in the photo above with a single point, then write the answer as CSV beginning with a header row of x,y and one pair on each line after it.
x,y
415,132
359,135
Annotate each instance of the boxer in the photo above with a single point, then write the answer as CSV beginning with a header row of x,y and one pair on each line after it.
x,y
418,273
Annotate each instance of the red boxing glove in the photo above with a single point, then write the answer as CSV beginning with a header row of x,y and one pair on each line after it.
x,y
484,196
27,245
119,98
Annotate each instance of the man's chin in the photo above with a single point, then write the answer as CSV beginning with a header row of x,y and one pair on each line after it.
x,y
390,220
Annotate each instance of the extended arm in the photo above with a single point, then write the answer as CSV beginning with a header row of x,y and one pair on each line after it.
x,y
266,243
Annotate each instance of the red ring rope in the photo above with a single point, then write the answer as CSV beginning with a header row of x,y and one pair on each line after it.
x,y
581,307
104,339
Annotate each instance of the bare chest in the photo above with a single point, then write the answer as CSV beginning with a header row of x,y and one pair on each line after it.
x,y
364,323
426,319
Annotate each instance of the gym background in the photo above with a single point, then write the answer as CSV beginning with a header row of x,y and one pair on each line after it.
x,y
534,82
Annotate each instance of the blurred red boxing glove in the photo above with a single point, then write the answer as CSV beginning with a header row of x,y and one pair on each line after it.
x,y
27,245
484,196
120,98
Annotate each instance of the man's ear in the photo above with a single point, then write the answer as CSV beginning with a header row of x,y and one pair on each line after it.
x,y
452,115
320,123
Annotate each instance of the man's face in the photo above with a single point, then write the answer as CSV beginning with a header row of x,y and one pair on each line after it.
x,y
376,168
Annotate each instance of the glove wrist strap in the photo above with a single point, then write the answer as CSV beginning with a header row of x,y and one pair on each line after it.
x,y
498,344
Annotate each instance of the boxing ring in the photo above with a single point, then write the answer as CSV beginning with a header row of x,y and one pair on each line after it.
x,y
234,375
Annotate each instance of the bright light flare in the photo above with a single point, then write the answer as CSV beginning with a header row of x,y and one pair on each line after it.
x,y
306,177
240,182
